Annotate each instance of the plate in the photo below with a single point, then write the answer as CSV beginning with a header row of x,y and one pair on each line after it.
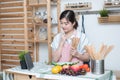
x,y
64,63
43,70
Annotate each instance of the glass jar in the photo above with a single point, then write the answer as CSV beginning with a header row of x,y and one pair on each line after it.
x,y
45,16
43,33
117,2
45,20
37,18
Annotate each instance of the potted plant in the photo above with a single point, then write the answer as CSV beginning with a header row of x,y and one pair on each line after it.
x,y
22,59
103,13
103,16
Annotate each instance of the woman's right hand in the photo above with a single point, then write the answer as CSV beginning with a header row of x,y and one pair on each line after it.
x,y
63,38
57,54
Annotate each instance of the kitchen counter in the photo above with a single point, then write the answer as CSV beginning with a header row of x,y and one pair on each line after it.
x,y
42,71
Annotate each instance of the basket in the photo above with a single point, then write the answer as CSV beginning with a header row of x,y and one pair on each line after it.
x,y
103,19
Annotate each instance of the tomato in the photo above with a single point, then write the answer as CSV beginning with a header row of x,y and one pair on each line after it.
x,y
81,66
88,69
85,66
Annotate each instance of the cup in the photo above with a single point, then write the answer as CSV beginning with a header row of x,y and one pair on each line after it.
x,y
97,66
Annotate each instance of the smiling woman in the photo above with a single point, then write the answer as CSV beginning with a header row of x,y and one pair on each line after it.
x,y
63,48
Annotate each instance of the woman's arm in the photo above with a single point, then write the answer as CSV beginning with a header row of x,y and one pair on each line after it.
x,y
83,57
56,55
80,53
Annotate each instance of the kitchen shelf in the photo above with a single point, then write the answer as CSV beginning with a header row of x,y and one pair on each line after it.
x,y
46,6
78,6
111,5
53,4
42,41
37,41
40,24
41,4
37,3
110,19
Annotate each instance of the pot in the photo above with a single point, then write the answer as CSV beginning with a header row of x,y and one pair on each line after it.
x,y
23,65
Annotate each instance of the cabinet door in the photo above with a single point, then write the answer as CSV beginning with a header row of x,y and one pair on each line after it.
x,y
24,77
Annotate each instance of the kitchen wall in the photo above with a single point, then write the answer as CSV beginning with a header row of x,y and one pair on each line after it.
x,y
96,33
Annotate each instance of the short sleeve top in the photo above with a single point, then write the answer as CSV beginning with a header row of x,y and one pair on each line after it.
x,y
80,48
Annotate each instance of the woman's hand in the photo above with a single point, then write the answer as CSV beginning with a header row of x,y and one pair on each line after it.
x,y
73,51
58,52
82,57
63,39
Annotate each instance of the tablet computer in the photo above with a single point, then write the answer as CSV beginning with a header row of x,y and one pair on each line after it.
x,y
28,61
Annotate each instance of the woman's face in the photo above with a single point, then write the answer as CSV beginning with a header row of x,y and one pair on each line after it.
x,y
66,25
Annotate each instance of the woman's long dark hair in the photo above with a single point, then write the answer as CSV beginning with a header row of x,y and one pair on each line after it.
x,y
70,16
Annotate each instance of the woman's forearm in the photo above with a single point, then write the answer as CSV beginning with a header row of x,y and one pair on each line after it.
x,y
58,53
83,57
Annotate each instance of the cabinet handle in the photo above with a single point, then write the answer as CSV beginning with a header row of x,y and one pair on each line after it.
x,y
30,76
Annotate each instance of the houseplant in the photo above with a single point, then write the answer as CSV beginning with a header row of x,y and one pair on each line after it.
x,y
22,59
103,16
103,13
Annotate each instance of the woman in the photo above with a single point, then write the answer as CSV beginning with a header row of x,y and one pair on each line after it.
x,y
63,51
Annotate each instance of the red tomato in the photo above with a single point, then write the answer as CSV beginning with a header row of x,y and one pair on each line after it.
x,y
88,69
85,66
81,67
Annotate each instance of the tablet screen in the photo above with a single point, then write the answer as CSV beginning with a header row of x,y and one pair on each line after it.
x,y
28,61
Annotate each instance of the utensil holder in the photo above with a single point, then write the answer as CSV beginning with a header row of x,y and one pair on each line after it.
x,y
97,66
